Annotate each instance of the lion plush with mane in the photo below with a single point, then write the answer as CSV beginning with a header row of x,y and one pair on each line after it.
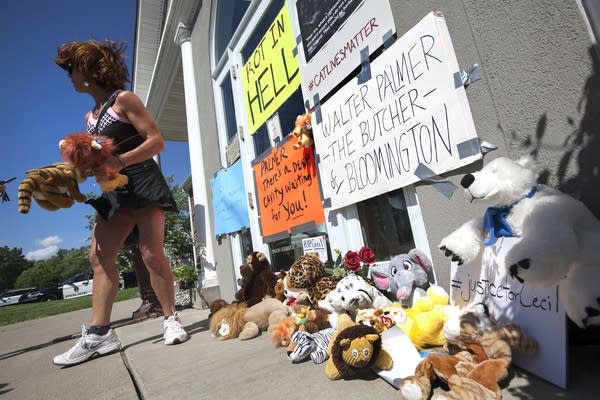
x,y
90,153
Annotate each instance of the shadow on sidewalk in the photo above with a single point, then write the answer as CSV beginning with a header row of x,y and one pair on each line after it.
x,y
192,329
114,324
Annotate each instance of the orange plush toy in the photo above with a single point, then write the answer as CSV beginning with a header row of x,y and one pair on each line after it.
x,y
303,131
87,153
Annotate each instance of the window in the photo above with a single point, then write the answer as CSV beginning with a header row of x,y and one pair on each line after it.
x,y
227,93
285,251
229,16
246,243
385,225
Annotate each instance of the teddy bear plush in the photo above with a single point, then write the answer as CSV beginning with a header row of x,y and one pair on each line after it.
x,y
353,292
405,277
258,281
89,153
372,317
279,287
303,318
239,320
52,187
311,319
558,234
354,349
479,355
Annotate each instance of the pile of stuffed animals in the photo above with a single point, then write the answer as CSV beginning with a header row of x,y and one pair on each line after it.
x,y
339,321
463,348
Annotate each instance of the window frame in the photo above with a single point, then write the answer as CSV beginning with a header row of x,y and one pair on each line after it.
x,y
343,225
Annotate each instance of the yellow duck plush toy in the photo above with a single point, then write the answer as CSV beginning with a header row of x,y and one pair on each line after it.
x,y
424,323
52,187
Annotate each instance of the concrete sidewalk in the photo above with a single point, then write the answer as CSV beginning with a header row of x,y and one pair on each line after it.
x,y
204,368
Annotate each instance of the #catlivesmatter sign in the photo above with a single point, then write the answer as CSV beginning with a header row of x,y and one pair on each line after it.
x,y
271,73
287,189
336,35
410,116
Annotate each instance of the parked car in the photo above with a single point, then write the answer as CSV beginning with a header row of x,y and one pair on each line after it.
x,y
16,296
128,279
75,286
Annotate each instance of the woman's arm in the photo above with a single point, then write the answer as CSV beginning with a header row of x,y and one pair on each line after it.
x,y
129,105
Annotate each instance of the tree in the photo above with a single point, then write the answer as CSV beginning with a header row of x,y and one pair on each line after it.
x,y
12,264
45,273
178,237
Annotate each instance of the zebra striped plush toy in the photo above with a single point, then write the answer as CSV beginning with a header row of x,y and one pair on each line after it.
x,y
314,345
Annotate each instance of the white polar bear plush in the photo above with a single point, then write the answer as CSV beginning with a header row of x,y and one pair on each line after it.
x,y
560,237
352,293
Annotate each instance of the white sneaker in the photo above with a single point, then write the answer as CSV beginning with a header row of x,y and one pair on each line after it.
x,y
173,332
87,346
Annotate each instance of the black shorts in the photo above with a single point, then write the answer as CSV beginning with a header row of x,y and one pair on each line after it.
x,y
146,186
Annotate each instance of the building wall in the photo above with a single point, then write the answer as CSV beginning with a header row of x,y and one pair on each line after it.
x,y
536,62
208,128
537,73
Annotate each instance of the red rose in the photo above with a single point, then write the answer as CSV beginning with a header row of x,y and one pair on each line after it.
x,y
352,261
367,255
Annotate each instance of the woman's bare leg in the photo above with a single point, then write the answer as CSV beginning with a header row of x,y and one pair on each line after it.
x,y
107,238
150,222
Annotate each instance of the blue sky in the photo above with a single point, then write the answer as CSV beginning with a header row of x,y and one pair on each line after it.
x,y
39,106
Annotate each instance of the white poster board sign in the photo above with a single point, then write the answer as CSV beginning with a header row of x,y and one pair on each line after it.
x,y
404,353
538,311
316,244
371,138
333,33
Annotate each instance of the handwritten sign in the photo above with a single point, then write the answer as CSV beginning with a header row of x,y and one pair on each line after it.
x,y
271,72
372,137
316,244
287,189
229,200
334,32
538,311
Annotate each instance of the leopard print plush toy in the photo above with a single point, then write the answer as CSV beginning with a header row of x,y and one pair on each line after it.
x,y
52,187
308,273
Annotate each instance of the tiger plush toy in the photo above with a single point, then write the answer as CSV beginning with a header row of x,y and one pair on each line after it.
x,y
52,187
480,352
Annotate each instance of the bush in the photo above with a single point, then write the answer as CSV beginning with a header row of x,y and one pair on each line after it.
x,y
185,275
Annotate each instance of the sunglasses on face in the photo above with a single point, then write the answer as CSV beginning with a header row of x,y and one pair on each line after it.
x,y
67,67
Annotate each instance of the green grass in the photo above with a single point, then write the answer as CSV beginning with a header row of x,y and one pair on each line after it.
x,y
25,312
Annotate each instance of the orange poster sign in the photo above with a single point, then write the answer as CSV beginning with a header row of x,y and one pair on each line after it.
x,y
287,189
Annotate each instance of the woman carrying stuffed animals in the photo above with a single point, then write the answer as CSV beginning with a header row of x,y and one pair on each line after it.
x,y
98,69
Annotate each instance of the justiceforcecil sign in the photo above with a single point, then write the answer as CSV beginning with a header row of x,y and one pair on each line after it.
x,y
372,136
537,310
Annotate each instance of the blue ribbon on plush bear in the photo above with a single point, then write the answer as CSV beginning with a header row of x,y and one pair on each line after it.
x,y
495,223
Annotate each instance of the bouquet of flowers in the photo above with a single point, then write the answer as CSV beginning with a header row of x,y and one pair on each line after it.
x,y
353,262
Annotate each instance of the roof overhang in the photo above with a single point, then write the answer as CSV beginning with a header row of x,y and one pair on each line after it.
x,y
157,62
